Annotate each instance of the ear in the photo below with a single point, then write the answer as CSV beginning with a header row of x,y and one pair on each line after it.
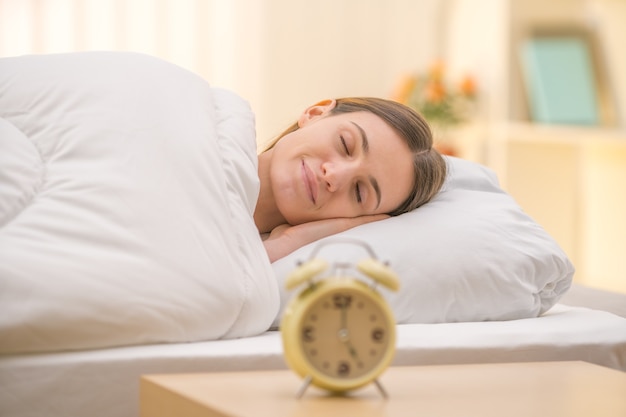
x,y
316,112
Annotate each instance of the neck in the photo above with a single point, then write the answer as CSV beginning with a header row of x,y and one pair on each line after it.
x,y
266,214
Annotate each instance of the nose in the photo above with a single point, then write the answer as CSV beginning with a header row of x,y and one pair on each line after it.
x,y
336,175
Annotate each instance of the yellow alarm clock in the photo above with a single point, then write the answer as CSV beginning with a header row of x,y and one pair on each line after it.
x,y
339,333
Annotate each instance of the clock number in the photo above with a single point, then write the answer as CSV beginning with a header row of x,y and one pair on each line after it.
x,y
308,334
378,335
342,301
343,368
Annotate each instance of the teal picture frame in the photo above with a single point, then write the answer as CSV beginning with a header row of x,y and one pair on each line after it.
x,y
562,77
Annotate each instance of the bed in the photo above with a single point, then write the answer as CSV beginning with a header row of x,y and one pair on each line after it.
x,y
127,247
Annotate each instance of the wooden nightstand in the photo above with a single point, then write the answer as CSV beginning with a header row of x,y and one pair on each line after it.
x,y
511,389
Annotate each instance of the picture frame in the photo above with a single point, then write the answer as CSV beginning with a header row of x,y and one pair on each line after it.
x,y
564,77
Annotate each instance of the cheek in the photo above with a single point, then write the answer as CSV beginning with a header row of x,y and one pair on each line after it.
x,y
399,186
284,191
404,192
338,206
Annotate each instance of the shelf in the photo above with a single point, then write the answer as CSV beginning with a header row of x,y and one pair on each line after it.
x,y
572,135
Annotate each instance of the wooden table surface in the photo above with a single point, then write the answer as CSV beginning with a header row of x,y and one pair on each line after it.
x,y
512,389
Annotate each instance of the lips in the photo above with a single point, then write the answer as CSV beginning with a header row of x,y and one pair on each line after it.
x,y
310,182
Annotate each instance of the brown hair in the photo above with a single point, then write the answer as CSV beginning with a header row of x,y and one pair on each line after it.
x,y
429,167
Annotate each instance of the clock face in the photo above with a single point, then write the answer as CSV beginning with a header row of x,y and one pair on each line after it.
x,y
345,334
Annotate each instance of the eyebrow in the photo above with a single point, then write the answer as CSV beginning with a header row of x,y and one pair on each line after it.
x,y
365,145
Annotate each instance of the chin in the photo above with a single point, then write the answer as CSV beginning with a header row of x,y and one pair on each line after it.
x,y
296,217
294,221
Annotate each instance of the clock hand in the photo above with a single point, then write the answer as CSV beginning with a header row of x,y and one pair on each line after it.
x,y
344,334
344,318
352,351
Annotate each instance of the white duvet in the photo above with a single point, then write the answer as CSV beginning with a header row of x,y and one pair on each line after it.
x,y
127,187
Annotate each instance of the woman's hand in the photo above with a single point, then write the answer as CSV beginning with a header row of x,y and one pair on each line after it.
x,y
285,239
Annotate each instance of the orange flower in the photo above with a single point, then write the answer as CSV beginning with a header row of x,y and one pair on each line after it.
x,y
433,97
468,86
435,92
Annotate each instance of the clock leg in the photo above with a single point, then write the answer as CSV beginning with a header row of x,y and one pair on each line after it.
x,y
305,385
380,387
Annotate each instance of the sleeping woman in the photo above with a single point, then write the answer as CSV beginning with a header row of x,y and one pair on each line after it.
x,y
344,163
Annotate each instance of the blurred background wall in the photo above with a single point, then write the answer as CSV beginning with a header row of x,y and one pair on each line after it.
x,y
281,55
284,55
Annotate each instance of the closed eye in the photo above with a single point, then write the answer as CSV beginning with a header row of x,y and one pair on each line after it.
x,y
359,198
345,146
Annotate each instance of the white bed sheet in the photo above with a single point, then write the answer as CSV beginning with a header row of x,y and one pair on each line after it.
x,y
105,383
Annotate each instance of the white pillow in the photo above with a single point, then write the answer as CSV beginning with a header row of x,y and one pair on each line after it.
x,y
126,197
471,254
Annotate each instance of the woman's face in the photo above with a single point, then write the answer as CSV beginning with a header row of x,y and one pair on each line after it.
x,y
344,165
